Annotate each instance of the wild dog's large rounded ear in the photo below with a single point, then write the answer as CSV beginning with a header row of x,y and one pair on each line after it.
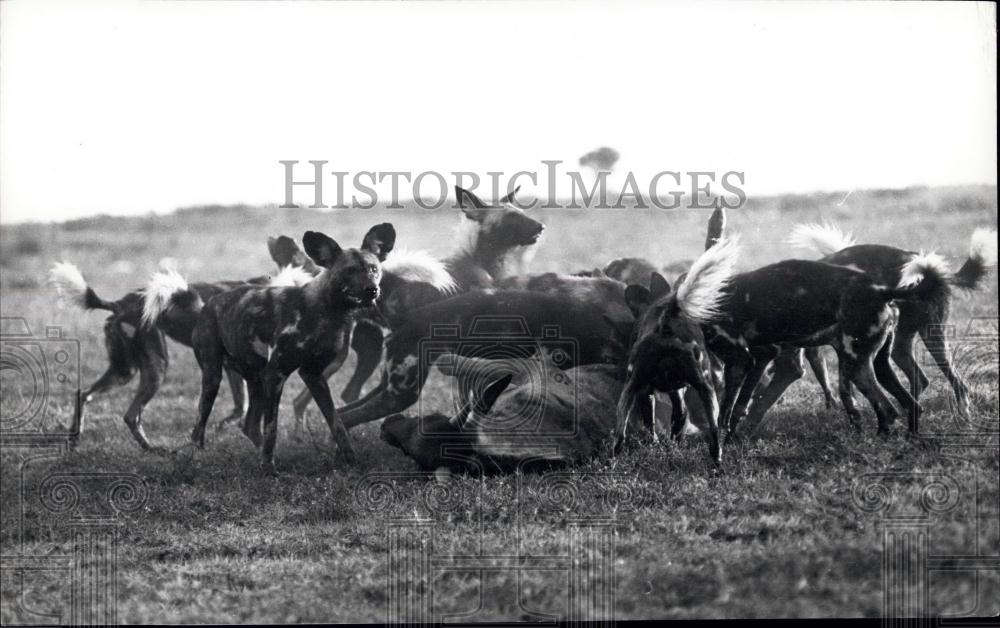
x,y
510,197
379,240
471,205
658,286
321,248
637,298
484,402
283,251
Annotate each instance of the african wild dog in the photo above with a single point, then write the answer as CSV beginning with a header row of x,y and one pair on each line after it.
x,y
522,321
495,241
266,334
745,320
134,346
924,316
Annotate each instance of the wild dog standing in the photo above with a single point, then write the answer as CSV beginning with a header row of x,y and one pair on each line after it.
x,y
266,334
522,321
495,241
134,346
924,316
748,318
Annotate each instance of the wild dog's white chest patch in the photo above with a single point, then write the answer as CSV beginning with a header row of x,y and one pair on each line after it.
x,y
128,329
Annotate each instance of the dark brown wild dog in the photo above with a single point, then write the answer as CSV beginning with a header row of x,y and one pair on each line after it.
x,y
495,241
133,344
266,334
734,317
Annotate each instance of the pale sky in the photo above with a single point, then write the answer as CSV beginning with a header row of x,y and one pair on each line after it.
x,y
131,107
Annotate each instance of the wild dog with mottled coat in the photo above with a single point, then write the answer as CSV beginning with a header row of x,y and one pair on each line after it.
x,y
135,334
746,319
924,316
266,334
495,241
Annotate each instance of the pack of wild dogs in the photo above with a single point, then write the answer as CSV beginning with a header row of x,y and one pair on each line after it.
x,y
548,369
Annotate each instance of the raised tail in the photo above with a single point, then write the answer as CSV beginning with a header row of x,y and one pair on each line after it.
x,y
716,227
825,239
925,277
420,266
167,289
72,288
982,257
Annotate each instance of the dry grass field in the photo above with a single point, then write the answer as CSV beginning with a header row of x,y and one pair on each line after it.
x,y
780,534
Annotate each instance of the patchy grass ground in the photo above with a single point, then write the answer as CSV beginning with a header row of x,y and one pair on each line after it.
x,y
782,533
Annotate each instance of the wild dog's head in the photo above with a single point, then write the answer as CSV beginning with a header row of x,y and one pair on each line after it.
x,y
494,230
668,347
350,276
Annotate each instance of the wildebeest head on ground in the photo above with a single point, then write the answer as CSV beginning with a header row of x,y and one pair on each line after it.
x,y
513,413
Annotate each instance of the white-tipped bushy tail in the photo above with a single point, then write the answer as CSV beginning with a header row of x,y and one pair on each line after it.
x,y
70,285
420,266
983,246
294,276
921,265
700,294
982,257
825,238
162,287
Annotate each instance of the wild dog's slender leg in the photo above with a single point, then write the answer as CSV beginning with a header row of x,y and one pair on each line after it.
x,y
150,377
121,369
320,390
368,396
152,358
738,364
211,379
762,358
937,344
862,374
258,403
273,382
301,402
367,344
902,355
401,384
677,418
208,351
647,409
846,390
328,372
814,356
886,377
238,388
788,369
110,379
704,395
